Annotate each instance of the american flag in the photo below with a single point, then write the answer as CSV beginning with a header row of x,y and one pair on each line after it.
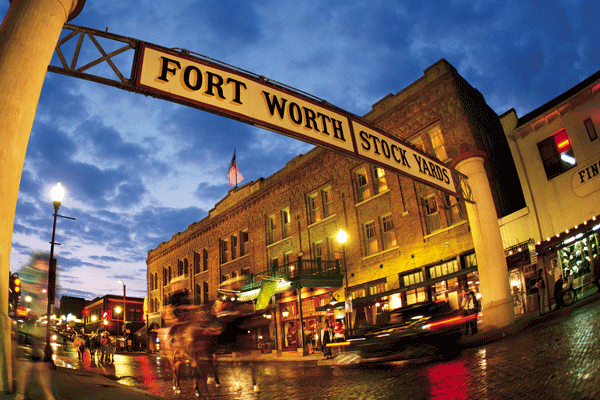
x,y
234,175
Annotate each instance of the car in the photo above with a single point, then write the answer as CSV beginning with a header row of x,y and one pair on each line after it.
x,y
419,330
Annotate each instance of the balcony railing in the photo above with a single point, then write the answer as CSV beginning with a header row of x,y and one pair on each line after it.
x,y
296,269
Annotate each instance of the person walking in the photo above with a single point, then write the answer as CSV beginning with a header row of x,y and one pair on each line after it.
x,y
541,287
79,345
327,338
470,310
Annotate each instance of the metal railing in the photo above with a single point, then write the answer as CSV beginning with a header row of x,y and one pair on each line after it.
x,y
296,269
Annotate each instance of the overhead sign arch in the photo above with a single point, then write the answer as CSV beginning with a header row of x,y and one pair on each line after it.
x,y
183,77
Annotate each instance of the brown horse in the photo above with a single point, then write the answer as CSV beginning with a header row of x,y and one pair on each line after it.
x,y
199,334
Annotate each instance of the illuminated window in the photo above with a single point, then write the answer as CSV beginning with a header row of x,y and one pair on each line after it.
x,y
363,188
314,208
413,278
557,154
437,144
454,210
379,180
389,235
370,238
327,202
431,213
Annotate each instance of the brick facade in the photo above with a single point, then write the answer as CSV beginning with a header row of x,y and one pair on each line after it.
x,y
350,195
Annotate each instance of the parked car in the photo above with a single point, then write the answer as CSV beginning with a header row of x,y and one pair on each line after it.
x,y
423,329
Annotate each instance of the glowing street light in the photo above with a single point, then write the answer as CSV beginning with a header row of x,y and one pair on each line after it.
x,y
56,194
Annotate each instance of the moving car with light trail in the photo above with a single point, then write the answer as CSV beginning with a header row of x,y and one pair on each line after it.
x,y
420,330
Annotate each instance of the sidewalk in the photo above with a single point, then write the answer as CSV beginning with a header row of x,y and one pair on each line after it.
x,y
79,385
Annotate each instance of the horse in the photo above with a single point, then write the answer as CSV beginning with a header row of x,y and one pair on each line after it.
x,y
199,334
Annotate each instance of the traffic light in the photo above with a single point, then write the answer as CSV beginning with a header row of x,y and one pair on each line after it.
x,y
14,293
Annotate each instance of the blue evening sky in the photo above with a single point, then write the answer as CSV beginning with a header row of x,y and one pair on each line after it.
x,y
137,170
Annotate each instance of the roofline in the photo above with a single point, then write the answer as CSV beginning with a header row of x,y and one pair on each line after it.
x,y
557,100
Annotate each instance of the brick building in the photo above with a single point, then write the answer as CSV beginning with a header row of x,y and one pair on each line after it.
x,y
106,313
407,242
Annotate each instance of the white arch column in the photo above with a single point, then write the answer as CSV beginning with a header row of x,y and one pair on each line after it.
x,y
28,36
497,302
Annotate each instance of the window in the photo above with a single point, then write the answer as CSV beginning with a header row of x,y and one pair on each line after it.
x,y
432,214
314,208
234,246
244,243
286,258
416,296
245,271
453,209
444,269
557,154
165,276
370,238
274,262
155,280
363,189
285,223
318,249
271,228
196,262
205,287
357,293
180,268
379,181
412,278
437,144
327,202
377,288
198,294
205,260
151,282
591,130
224,251
186,267
389,235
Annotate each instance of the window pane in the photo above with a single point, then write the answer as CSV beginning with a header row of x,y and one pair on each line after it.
x,y
379,180
370,238
557,154
389,235
438,145
362,186
432,216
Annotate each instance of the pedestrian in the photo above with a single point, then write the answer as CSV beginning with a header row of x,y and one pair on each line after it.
x,y
556,272
471,308
541,287
30,357
327,337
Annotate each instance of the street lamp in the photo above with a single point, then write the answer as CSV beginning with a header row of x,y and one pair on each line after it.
x,y
342,237
56,194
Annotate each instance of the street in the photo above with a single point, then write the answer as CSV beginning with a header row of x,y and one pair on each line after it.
x,y
557,357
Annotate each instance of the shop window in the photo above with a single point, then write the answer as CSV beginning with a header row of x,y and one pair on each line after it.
x,y
576,258
416,296
370,232
387,229
431,213
591,130
377,288
285,223
444,269
557,154
412,278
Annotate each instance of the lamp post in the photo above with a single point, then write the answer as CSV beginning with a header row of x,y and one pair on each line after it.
x,y
124,309
342,237
56,195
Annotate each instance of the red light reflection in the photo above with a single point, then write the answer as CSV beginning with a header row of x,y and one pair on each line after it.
x,y
448,381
